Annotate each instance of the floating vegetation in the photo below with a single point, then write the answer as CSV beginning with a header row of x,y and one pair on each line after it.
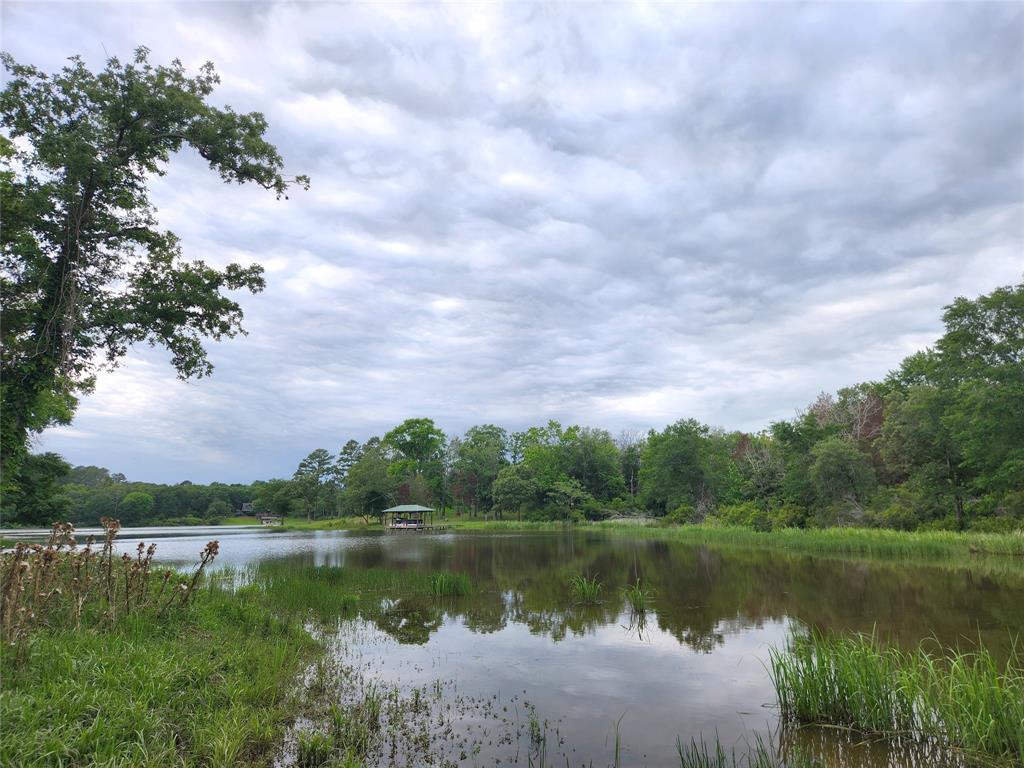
x,y
585,590
448,584
962,699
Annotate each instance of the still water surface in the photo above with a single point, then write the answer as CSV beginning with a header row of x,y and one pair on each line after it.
x,y
696,667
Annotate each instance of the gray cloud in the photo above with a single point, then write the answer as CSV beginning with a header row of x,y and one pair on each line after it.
x,y
616,215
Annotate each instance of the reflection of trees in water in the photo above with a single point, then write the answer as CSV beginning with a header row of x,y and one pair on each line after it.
x,y
834,747
409,621
701,593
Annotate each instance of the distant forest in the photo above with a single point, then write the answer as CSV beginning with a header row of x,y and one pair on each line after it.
x,y
938,444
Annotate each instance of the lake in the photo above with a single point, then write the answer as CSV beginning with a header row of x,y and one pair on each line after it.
x,y
518,656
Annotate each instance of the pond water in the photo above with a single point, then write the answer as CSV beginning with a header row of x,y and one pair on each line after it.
x,y
518,649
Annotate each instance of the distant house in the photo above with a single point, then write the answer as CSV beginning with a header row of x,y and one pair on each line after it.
x,y
246,508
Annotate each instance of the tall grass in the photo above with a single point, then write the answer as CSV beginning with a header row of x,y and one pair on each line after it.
x,y
448,584
701,754
131,666
638,596
841,541
961,699
585,589
60,585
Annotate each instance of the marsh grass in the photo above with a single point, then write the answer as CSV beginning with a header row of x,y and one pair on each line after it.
x,y
448,584
874,542
701,754
208,685
111,662
327,593
638,596
315,750
586,590
964,700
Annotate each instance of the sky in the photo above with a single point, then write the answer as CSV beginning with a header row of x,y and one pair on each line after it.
x,y
614,215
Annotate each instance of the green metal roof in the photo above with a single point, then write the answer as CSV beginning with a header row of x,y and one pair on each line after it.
x,y
409,508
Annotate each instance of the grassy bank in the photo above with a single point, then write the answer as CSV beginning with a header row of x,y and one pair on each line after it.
x,y
206,686
962,700
840,541
108,661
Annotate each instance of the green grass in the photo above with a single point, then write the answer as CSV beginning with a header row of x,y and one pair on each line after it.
x,y
843,541
701,754
961,699
840,541
585,589
448,584
326,593
205,686
638,596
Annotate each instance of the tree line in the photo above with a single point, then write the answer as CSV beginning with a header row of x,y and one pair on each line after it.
x,y
939,443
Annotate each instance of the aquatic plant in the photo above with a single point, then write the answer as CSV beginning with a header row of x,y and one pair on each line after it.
x,y
448,584
585,589
314,749
963,699
701,754
874,542
638,597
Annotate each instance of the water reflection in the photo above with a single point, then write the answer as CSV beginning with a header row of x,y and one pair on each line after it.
x,y
692,665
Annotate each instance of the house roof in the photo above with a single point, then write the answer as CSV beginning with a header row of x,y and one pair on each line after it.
x,y
409,508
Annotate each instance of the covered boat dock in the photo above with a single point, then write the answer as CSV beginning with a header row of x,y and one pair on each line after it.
x,y
409,517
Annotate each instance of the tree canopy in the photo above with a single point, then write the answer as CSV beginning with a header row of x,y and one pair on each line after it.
x,y
85,270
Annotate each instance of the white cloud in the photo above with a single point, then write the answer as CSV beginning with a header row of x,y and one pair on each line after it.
x,y
618,215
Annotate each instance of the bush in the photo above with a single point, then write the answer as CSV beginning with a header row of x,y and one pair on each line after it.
x,y
897,517
682,514
747,514
787,516
996,525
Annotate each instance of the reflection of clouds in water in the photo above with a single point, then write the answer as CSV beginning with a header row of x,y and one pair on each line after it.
x,y
589,680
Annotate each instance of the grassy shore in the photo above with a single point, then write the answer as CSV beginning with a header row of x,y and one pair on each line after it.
x,y
109,661
839,541
206,686
962,700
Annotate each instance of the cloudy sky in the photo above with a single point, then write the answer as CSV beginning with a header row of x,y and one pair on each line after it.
x,y
615,215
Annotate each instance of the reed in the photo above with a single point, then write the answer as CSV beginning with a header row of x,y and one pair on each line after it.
x,y
875,542
638,596
962,699
315,749
585,589
448,584
761,754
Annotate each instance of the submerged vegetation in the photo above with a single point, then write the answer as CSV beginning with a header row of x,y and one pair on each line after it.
x,y
963,699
